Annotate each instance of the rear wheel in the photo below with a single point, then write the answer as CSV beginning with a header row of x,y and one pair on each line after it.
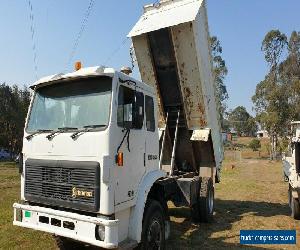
x,y
153,233
294,205
204,209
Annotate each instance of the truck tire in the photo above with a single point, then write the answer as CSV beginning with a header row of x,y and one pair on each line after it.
x,y
294,205
66,244
203,210
153,232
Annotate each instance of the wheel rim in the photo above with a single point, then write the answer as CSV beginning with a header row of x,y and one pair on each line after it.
x,y
154,235
210,201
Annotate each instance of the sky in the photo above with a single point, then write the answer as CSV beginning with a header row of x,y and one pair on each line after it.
x,y
240,26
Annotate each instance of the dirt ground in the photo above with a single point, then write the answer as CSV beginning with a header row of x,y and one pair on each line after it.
x,y
252,195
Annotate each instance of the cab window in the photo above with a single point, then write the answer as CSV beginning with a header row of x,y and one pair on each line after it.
x,y
130,108
150,119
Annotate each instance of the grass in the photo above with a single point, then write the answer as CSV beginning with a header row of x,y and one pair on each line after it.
x,y
251,195
12,237
239,149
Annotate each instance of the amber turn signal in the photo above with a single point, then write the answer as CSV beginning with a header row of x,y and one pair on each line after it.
x,y
120,159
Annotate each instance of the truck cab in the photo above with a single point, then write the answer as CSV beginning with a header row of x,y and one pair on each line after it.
x,y
91,137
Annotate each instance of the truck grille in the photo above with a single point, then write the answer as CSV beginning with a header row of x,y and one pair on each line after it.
x,y
69,184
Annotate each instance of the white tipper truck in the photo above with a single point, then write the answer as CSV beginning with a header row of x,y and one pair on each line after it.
x,y
103,153
291,169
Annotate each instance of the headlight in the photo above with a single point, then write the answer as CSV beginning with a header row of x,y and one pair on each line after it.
x,y
100,230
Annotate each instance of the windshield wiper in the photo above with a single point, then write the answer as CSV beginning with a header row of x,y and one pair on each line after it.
x,y
39,131
87,129
95,126
60,130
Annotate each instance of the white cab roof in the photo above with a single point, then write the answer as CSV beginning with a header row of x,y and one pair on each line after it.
x,y
86,72
166,14
90,71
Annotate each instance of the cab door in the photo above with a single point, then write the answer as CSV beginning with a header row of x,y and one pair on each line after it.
x,y
152,140
131,143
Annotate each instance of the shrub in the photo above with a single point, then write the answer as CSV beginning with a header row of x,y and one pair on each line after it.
x,y
255,145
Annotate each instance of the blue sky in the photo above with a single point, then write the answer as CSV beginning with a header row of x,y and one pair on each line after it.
x,y
240,26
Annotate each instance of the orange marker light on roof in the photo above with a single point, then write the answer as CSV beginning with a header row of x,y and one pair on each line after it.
x,y
78,66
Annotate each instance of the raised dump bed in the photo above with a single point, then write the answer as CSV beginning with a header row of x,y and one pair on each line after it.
x,y
171,43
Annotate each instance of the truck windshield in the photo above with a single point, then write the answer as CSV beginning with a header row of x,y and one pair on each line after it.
x,y
73,104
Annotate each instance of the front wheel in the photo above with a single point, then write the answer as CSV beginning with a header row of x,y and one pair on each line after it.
x,y
153,232
68,244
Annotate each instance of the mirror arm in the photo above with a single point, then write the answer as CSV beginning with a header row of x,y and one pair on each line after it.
x,y
126,134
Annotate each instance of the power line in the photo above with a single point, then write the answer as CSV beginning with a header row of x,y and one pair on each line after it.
x,y
80,33
32,30
115,51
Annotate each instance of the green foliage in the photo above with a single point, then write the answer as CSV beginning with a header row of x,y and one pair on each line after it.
x,y
283,145
220,72
289,72
268,148
14,102
225,125
255,144
272,107
242,122
277,97
273,46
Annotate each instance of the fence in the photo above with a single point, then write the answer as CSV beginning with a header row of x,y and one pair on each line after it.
x,y
233,155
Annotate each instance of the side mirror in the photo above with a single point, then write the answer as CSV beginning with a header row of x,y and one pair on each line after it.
x,y
128,113
138,111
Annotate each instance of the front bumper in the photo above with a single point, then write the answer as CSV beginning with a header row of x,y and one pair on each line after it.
x,y
71,225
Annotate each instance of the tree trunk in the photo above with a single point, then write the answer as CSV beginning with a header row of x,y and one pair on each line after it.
x,y
276,146
273,147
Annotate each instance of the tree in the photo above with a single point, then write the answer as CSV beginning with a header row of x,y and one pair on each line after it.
x,y
14,103
271,97
273,46
220,72
255,144
242,121
272,107
289,74
294,49
251,126
226,125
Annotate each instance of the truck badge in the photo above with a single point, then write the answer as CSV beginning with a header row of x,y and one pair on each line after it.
x,y
76,192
